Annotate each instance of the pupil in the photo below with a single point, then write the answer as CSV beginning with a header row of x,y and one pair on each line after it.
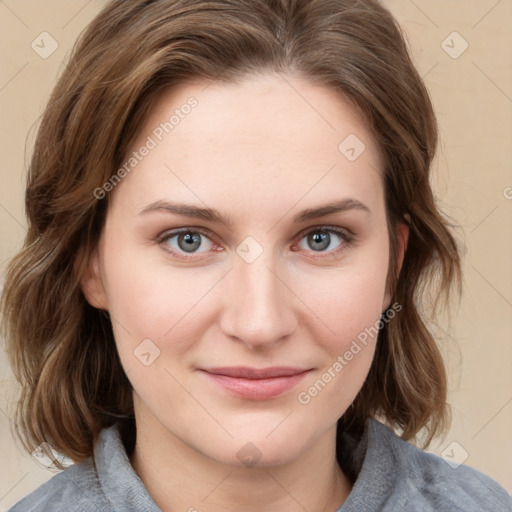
x,y
320,238
192,242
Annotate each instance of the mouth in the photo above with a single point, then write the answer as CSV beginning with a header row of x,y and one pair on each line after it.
x,y
256,383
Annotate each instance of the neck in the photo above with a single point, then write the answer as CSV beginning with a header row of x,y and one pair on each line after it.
x,y
180,478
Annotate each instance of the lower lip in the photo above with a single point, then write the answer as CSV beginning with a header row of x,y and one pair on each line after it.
x,y
257,389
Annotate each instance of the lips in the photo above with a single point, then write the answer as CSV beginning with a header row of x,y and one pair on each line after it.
x,y
256,383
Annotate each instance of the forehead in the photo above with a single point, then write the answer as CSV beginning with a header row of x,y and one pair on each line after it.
x,y
270,137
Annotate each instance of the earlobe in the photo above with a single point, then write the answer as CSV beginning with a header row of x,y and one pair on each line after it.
x,y
88,273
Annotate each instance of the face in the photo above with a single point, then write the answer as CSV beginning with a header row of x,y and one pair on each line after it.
x,y
244,253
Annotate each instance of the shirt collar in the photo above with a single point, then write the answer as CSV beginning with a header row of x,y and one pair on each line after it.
x,y
126,491
118,480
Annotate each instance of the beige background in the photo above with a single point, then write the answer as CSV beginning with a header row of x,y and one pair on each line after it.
x,y
473,98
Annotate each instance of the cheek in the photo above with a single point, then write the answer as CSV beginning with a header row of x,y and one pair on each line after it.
x,y
154,322
344,301
348,302
151,300
350,314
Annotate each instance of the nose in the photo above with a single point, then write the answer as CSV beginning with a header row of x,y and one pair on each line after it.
x,y
259,305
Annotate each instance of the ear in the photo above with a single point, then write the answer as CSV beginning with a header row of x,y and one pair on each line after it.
x,y
402,239
89,276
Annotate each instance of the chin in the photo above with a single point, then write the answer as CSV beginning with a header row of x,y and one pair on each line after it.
x,y
263,447
257,455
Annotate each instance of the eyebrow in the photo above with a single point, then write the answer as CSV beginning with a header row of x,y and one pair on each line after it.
x,y
212,215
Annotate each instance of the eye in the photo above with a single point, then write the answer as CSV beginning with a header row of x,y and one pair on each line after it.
x,y
325,239
186,241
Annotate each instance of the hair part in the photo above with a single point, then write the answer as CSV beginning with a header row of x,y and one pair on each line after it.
x,y
62,350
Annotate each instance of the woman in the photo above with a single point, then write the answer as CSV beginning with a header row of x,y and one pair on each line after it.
x,y
232,238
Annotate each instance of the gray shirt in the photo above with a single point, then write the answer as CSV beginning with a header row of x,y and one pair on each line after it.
x,y
392,475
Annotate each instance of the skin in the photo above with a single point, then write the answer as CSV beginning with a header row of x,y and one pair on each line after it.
x,y
260,152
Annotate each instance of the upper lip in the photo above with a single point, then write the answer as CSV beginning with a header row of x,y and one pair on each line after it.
x,y
246,372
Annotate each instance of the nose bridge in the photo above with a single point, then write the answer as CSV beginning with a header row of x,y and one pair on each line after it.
x,y
259,309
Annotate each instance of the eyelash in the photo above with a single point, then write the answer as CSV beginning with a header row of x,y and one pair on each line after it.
x,y
346,237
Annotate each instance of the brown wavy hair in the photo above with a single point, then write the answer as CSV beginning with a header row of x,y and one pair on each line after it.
x,y
62,350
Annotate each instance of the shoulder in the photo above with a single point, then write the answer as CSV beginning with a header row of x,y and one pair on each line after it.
x,y
424,481
104,482
74,489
